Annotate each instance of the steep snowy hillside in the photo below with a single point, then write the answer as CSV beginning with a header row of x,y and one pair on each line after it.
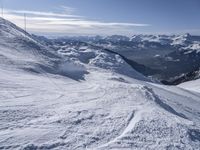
x,y
110,106
23,51
19,48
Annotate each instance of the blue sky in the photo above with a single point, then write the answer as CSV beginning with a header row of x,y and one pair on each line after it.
x,y
90,17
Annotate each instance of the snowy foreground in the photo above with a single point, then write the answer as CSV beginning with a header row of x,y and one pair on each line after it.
x,y
94,101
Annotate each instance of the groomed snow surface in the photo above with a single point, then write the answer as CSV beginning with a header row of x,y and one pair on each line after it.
x,y
87,104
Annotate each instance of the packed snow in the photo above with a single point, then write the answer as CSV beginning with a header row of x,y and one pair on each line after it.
x,y
81,98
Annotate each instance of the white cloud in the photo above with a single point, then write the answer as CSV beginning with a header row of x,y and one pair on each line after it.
x,y
38,13
67,9
67,23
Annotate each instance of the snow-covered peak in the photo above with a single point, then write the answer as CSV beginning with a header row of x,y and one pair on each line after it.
x,y
181,39
162,39
193,47
136,38
116,38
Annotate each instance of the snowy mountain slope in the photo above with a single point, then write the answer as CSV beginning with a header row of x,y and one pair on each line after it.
x,y
165,53
24,51
19,48
88,54
106,110
191,85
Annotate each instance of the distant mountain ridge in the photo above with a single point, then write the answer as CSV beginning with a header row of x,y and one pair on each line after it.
x,y
169,55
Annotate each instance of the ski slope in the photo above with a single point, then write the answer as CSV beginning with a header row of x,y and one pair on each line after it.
x,y
65,102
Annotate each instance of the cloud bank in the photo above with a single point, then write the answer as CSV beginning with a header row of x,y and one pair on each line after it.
x,y
67,23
